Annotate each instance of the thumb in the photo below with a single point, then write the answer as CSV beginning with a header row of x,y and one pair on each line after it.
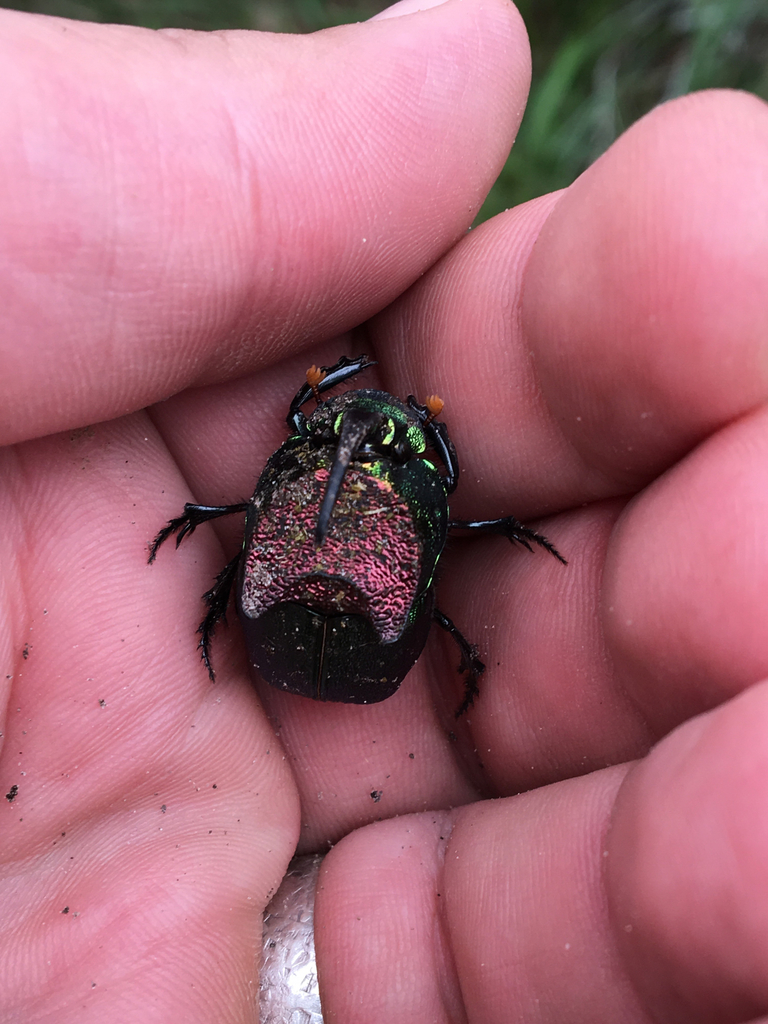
x,y
181,207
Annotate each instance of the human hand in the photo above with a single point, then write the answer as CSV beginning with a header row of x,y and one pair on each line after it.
x,y
624,346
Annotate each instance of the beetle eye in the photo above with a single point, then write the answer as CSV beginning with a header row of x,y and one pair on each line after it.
x,y
388,432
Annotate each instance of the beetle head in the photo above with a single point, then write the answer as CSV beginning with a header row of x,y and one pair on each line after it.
x,y
367,423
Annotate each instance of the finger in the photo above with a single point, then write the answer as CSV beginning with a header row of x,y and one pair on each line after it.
x,y
645,296
153,812
495,913
686,577
357,928
456,333
584,341
621,896
182,195
687,869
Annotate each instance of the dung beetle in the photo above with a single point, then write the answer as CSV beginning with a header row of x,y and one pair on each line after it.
x,y
335,578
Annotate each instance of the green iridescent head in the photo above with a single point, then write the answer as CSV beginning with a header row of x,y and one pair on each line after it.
x,y
360,423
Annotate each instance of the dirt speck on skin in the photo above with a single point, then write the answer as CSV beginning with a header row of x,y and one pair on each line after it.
x,y
80,433
10,796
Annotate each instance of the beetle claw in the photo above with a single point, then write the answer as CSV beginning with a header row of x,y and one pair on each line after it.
x,y
515,532
185,524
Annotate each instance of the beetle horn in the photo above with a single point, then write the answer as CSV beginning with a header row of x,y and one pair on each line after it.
x,y
356,426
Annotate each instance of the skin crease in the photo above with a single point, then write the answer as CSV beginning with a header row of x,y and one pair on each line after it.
x,y
172,215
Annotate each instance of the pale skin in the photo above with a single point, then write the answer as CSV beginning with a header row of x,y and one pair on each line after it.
x,y
193,221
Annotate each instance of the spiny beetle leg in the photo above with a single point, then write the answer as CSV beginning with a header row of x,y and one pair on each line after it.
x,y
511,528
470,663
193,516
217,599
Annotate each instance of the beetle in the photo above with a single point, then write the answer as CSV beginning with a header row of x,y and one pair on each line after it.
x,y
335,578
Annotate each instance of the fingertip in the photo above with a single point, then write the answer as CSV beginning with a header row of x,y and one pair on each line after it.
x,y
378,943
686,871
645,289
684,582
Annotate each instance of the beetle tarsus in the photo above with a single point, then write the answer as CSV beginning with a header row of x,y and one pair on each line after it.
x,y
187,523
470,662
510,528
217,599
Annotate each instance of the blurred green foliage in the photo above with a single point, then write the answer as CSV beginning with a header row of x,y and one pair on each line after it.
x,y
266,15
598,65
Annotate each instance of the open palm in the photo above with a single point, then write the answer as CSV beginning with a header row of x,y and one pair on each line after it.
x,y
180,242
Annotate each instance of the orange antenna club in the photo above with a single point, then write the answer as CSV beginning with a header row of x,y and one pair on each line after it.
x,y
314,376
435,405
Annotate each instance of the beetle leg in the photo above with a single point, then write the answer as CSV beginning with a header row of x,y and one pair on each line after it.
x,y
511,528
217,599
470,663
193,516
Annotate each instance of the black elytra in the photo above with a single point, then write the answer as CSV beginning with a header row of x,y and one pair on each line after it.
x,y
334,582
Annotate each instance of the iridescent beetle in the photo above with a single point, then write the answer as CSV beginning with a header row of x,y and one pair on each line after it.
x,y
335,578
